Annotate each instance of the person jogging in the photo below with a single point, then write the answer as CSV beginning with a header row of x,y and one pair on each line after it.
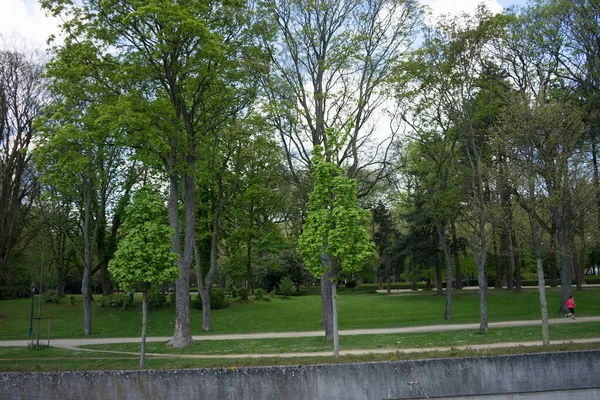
x,y
571,307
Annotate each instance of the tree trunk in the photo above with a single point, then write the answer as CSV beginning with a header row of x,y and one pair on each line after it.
x,y
543,301
552,257
439,290
596,179
326,302
249,266
566,262
442,236
457,273
498,280
206,312
182,336
87,301
144,324
334,320
515,250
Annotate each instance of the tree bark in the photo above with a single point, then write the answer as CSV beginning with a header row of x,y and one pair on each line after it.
x,y
515,250
334,315
182,335
439,290
566,262
552,257
457,273
326,302
442,236
144,324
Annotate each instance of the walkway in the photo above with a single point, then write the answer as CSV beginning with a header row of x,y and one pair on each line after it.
x,y
74,344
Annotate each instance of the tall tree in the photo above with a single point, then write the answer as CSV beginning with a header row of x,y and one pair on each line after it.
x,y
22,99
334,238
330,69
189,57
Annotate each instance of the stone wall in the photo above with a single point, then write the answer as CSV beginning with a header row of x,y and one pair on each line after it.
x,y
378,380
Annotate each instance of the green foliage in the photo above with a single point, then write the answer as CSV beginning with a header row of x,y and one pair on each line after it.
x,y
243,293
286,287
144,255
72,300
334,223
115,300
231,289
156,300
259,294
217,300
51,296
172,296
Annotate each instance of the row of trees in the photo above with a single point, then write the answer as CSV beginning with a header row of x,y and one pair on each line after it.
x,y
239,110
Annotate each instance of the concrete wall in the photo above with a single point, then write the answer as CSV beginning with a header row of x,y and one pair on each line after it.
x,y
381,380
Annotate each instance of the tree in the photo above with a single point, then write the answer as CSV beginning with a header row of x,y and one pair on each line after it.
x,y
184,64
384,237
334,239
330,69
143,257
22,98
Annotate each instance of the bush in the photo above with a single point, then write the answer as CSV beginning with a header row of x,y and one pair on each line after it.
x,y
286,287
592,280
217,300
172,296
351,284
156,300
243,293
364,288
72,300
259,294
51,296
231,289
114,301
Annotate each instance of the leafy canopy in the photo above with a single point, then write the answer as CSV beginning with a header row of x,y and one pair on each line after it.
x,y
144,255
334,225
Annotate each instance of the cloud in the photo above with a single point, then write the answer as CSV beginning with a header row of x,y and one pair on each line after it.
x,y
456,7
25,21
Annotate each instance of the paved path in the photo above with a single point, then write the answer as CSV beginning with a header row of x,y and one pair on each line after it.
x,y
74,344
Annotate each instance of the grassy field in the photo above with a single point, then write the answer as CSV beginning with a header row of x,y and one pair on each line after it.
x,y
50,359
298,313
377,341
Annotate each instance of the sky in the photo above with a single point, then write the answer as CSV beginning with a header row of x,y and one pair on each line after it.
x,y
24,19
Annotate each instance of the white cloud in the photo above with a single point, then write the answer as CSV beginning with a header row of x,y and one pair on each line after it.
x,y
24,20
456,7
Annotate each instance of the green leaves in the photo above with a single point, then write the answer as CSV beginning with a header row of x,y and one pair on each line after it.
x,y
144,255
334,226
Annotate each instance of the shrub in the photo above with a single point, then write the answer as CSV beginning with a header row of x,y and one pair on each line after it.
x,y
286,287
51,296
243,293
156,300
231,289
259,294
592,280
114,301
172,296
217,300
72,300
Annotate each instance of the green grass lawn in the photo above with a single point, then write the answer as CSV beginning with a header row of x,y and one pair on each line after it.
x,y
377,341
50,359
298,313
